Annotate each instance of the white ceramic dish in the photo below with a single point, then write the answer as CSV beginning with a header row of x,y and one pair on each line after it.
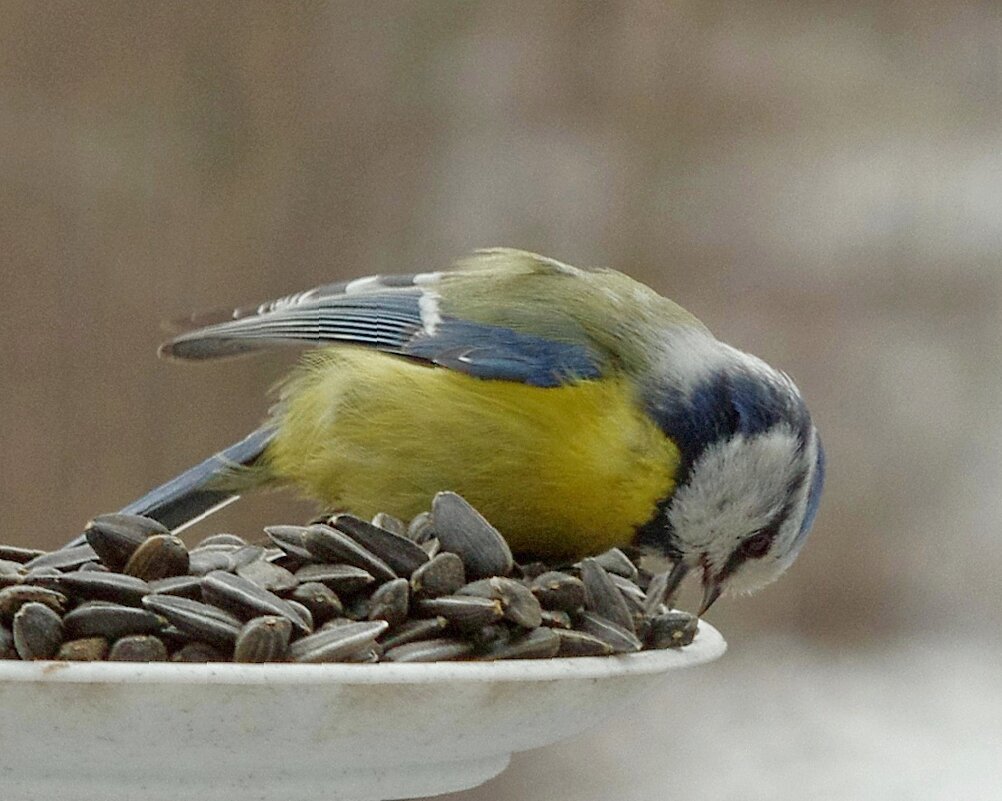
x,y
226,732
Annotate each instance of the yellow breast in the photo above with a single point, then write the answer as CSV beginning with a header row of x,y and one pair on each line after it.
x,y
561,472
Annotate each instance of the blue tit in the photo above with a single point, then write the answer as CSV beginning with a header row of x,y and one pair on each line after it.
x,y
577,409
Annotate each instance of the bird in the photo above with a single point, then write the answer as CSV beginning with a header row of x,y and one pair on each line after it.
x,y
576,409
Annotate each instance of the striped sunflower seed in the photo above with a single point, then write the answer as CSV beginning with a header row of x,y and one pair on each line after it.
x,y
559,591
64,559
38,632
269,576
321,601
555,619
138,648
89,649
14,597
603,597
621,640
520,606
12,553
115,537
11,573
343,579
263,639
245,599
160,556
465,612
413,630
198,620
540,643
462,530
337,644
331,545
671,629
402,555
618,563
290,540
421,528
390,523
441,649
92,586
199,652
183,586
390,602
577,643
110,620
222,539
442,575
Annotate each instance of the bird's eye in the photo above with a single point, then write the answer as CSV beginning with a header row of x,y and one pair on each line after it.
x,y
757,545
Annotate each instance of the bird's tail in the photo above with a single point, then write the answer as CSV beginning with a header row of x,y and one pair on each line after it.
x,y
196,493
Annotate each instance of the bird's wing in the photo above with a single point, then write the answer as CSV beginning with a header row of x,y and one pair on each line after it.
x,y
503,314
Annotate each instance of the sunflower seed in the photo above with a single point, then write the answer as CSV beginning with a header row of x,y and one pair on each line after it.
x,y
369,657
493,635
329,544
432,547
421,528
222,539
199,652
64,559
634,596
443,575
337,644
196,619
138,648
618,563
555,619
343,579
268,576
656,593
245,599
621,640
160,556
602,596
465,612
321,601
38,632
532,570
414,630
11,553
115,537
402,555
202,561
11,573
390,602
671,629
105,619
577,643
541,643
304,613
390,523
559,591
519,604
93,586
89,649
7,649
263,639
437,650
93,566
183,586
14,597
463,530
290,540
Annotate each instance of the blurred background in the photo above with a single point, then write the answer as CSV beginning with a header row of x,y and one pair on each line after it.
x,y
820,186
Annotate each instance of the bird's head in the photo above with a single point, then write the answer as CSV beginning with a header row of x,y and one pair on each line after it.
x,y
751,476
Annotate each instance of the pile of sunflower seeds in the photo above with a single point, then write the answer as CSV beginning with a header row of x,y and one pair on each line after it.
x,y
344,590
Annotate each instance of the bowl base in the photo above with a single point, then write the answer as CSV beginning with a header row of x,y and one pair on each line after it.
x,y
337,783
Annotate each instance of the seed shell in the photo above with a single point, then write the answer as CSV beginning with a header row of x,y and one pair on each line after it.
x,y
160,556
198,620
619,639
343,579
618,563
14,597
519,604
245,599
7,649
337,644
462,530
115,537
402,555
541,643
321,601
183,586
414,630
421,528
442,575
116,587
38,632
199,652
331,545
671,629
290,540
138,648
390,523
465,612
12,553
578,643
90,649
559,591
603,597
263,639
110,620
268,576
390,602
437,650
64,559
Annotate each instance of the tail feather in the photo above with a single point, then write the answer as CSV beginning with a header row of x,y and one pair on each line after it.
x,y
193,495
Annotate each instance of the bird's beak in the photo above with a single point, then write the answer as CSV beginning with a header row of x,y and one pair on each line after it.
x,y
711,591
678,573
